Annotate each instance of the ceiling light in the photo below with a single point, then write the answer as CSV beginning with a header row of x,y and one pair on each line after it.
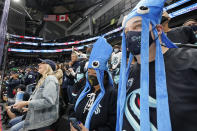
x,y
17,1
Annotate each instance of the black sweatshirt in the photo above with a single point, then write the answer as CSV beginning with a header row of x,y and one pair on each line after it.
x,y
181,78
104,117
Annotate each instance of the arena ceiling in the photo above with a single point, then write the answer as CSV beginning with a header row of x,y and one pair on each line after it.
x,y
26,16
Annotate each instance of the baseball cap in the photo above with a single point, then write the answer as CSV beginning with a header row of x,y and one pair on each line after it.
x,y
50,62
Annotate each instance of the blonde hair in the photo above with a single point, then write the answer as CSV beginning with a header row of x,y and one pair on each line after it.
x,y
47,72
74,53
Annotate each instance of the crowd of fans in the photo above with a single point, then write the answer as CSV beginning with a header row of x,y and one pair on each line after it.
x,y
57,98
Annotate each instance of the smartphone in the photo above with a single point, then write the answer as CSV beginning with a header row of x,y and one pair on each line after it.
x,y
74,123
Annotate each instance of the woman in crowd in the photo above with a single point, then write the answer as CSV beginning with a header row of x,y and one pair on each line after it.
x,y
59,73
43,104
96,105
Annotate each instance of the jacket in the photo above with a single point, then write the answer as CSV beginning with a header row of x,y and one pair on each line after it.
x,y
11,84
30,78
43,105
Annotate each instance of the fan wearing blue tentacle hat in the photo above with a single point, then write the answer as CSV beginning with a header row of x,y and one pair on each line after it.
x,y
96,104
159,92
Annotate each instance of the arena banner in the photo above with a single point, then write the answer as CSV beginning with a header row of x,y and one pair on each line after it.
x,y
183,11
175,4
23,43
44,51
66,43
26,37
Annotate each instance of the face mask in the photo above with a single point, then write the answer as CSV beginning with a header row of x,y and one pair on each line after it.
x,y
88,55
133,41
116,50
93,81
163,19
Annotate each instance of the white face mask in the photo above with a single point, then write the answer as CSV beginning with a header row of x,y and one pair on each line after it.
x,y
116,50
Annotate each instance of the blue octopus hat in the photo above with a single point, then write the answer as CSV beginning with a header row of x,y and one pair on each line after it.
x,y
151,12
99,57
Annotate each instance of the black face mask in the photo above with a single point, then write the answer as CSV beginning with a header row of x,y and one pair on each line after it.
x,y
93,80
164,19
133,41
88,54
